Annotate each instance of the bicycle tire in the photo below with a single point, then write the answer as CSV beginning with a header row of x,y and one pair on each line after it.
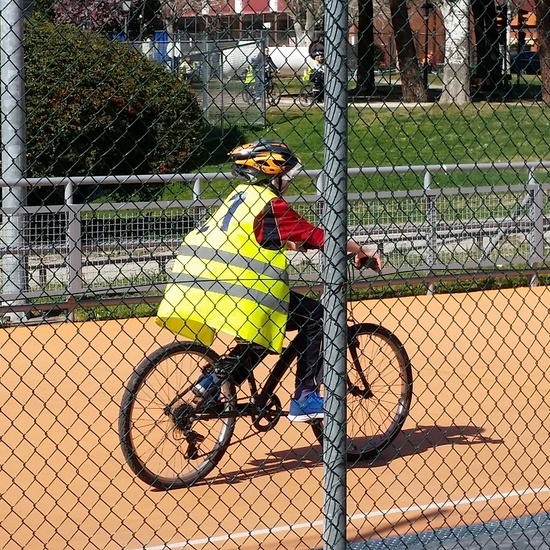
x,y
305,97
379,394
159,451
273,95
249,94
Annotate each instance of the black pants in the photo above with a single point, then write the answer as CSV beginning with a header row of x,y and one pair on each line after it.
x,y
306,316
318,80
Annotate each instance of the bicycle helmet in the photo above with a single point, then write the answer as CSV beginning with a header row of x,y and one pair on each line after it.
x,y
262,161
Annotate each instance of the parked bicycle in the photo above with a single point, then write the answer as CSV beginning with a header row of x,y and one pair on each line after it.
x,y
170,438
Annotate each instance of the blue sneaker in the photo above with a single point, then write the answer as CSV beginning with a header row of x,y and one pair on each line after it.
x,y
207,387
308,407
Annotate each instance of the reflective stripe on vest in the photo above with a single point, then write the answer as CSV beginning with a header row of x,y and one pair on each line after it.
x,y
210,254
235,290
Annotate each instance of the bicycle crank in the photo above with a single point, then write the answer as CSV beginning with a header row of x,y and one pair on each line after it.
x,y
267,414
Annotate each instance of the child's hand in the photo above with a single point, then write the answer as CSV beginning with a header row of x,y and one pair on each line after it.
x,y
370,261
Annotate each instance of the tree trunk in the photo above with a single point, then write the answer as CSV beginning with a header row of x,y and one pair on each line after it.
x,y
456,76
542,12
310,24
412,83
488,71
365,49
301,36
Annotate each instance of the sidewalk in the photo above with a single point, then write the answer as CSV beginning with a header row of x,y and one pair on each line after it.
x,y
529,532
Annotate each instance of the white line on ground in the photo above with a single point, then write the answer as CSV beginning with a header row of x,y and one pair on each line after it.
x,y
377,513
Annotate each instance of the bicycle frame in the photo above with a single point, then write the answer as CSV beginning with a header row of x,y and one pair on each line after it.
x,y
275,376
264,404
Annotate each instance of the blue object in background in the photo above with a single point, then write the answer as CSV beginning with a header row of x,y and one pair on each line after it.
x,y
525,63
160,52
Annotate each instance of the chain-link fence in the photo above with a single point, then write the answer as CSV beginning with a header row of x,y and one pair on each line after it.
x,y
274,275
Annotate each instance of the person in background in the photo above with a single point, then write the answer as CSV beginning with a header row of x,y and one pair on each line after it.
x,y
187,69
230,275
316,75
264,70
316,46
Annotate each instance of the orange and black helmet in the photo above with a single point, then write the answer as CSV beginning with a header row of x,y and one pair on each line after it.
x,y
262,160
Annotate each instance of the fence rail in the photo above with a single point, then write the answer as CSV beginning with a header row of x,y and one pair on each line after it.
x,y
89,253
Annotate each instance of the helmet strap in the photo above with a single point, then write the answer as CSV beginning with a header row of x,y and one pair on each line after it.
x,y
278,185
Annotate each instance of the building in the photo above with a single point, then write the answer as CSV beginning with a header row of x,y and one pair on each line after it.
x,y
238,19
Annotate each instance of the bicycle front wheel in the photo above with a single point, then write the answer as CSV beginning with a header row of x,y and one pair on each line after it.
x,y
167,439
379,391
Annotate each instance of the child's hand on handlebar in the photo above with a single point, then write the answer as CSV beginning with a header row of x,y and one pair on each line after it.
x,y
366,258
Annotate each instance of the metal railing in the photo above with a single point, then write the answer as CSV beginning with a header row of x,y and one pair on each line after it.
x,y
91,254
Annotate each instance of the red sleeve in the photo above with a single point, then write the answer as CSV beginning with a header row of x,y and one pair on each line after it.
x,y
293,227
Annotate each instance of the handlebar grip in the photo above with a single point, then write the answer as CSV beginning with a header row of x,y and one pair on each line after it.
x,y
368,263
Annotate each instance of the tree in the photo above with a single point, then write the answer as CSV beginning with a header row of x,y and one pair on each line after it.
x,y
43,9
171,11
456,76
306,15
105,110
365,48
412,83
487,35
542,13
94,15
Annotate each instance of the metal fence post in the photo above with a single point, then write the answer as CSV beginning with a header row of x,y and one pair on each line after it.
x,y
199,211
14,147
430,253
334,297
536,219
206,77
74,245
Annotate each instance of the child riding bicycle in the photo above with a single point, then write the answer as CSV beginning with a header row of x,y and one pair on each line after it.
x,y
230,275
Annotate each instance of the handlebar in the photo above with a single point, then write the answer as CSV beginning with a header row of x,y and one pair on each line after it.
x,y
366,262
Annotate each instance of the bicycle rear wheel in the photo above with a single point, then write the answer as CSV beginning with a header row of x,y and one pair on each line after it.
x,y
168,440
249,94
379,391
305,97
273,94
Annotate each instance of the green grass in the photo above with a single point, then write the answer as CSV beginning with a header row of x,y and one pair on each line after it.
x,y
420,135
401,136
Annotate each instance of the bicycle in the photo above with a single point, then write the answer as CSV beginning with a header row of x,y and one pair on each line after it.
x,y
307,95
272,93
171,439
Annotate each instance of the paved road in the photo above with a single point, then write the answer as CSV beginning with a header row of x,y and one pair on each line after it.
x,y
475,447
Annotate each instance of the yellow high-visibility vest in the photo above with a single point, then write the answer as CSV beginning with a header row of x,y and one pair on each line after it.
x,y
223,280
249,78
